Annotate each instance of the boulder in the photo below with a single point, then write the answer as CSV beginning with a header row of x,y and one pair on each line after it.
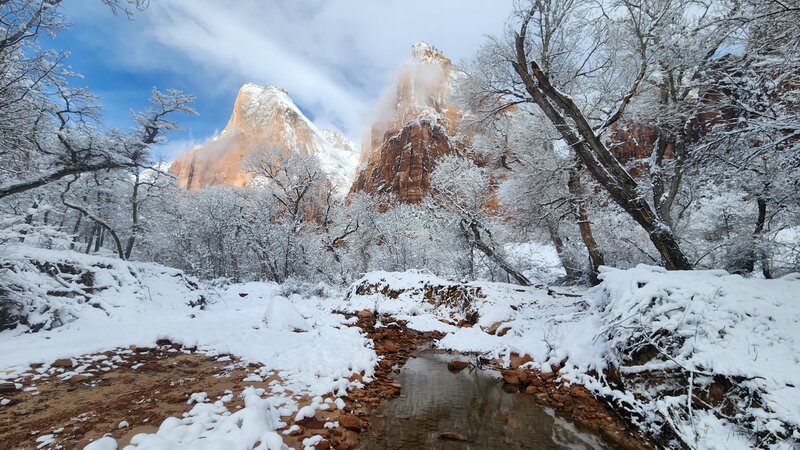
x,y
282,315
390,347
350,422
457,366
510,376
516,360
65,363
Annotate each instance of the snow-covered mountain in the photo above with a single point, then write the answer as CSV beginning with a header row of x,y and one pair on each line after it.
x,y
264,118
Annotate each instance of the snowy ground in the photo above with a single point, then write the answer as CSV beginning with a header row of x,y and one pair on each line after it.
x,y
697,330
310,348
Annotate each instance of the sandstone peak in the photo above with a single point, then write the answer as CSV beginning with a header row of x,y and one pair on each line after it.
x,y
422,51
263,118
415,125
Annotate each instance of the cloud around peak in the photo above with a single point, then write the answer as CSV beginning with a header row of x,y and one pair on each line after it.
x,y
334,58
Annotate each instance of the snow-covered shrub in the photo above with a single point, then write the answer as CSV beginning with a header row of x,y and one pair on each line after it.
x,y
306,289
703,351
416,289
45,289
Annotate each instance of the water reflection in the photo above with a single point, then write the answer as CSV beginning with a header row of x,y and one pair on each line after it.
x,y
469,405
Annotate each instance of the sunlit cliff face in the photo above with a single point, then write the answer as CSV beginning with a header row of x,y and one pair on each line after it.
x,y
263,118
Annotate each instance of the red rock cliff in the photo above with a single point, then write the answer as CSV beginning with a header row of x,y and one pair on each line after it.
x,y
415,126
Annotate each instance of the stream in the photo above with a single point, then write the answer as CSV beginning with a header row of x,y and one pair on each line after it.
x,y
468,405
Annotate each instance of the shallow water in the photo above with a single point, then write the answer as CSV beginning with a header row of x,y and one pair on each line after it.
x,y
472,404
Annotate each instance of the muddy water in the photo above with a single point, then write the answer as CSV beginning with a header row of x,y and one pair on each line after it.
x,y
470,404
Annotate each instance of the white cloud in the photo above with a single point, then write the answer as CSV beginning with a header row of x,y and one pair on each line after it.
x,y
334,57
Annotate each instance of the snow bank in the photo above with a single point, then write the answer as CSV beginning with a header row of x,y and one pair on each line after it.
x,y
496,318
45,289
712,356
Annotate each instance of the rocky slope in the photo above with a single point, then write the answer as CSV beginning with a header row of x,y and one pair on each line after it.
x,y
415,126
263,118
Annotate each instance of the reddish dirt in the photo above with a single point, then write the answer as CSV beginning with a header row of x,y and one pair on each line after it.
x,y
146,387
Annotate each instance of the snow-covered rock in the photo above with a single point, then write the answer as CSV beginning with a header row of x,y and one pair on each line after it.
x,y
283,316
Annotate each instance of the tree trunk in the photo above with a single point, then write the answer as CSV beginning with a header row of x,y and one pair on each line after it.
x,y
578,193
558,243
472,232
599,161
757,234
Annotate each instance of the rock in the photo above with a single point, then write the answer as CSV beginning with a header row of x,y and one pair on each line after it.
x,y
580,392
311,422
453,436
510,376
65,363
385,364
503,330
356,376
390,347
531,389
524,377
21,412
364,314
517,360
492,329
546,376
457,366
78,378
322,445
396,385
350,422
7,387
160,342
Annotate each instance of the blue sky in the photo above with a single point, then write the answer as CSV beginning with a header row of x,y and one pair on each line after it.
x,y
334,57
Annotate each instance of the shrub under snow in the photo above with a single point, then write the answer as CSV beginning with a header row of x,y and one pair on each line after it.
x,y
712,357
45,289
